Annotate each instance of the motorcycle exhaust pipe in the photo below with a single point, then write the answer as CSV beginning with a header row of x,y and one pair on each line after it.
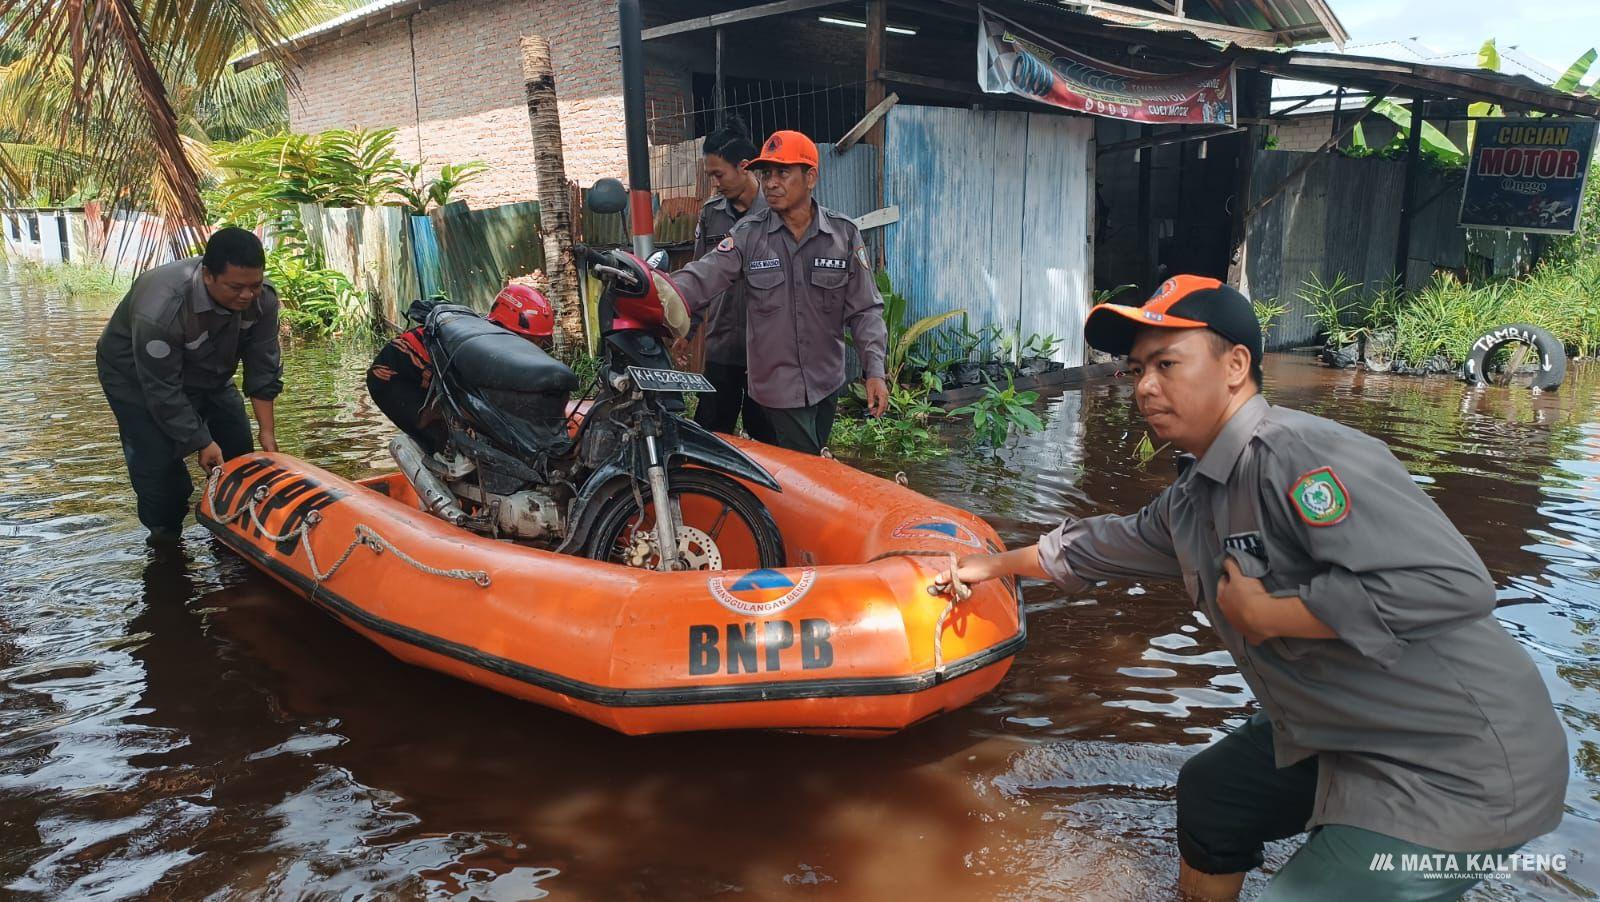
x,y
435,496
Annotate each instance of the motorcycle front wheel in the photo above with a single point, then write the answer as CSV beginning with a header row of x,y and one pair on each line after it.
x,y
728,528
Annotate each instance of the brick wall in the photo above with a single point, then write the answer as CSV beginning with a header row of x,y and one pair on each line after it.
x,y
468,82
469,95
1303,133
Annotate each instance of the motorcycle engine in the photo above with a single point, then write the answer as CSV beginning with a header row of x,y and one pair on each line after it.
x,y
528,514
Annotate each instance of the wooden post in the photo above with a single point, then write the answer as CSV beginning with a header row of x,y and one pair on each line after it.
x,y
718,95
1147,242
877,17
1402,250
555,205
1253,89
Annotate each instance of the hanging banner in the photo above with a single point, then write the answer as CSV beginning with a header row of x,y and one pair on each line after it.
x,y
1013,60
1528,175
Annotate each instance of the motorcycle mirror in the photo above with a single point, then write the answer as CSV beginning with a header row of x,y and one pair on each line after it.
x,y
658,260
607,196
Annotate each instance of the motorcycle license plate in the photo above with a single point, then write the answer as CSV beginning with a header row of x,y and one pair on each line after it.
x,y
669,380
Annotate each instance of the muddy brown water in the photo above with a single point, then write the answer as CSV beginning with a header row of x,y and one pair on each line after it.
x,y
178,726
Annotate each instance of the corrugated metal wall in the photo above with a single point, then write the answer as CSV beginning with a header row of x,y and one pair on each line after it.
x,y
848,183
993,218
1341,216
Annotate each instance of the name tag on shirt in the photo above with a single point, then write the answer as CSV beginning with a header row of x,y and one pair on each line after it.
x,y
773,263
830,263
1248,542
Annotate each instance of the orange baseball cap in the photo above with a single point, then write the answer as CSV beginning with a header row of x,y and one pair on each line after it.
x,y
1182,302
786,148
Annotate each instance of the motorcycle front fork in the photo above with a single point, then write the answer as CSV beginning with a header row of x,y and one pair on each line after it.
x,y
666,513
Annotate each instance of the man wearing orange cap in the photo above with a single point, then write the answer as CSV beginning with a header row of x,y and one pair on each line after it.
x,y
807,279
1399,722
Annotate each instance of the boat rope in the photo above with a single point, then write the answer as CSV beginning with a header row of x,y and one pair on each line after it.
x,y
956,593
364,536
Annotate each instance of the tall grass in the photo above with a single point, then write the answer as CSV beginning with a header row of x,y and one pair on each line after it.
x,y
89,280
1446,316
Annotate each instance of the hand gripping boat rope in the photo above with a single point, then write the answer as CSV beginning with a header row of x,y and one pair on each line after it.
x,y
957,592
365,535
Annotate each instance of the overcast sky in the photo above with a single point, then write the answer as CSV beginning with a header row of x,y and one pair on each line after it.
x,y
1555,32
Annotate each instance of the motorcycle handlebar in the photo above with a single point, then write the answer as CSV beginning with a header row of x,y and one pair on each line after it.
x,y
591,256
613,271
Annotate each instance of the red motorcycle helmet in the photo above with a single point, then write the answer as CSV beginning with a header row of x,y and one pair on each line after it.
x,y
525,312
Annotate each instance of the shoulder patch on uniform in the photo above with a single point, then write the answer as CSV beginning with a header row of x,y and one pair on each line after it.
x,y
1320,498
861,254
157,348
725,244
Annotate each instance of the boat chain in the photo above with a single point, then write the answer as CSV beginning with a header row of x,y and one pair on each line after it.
x,y
364,536
956,592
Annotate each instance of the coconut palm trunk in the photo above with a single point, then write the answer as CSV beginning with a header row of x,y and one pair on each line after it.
x,y
555,209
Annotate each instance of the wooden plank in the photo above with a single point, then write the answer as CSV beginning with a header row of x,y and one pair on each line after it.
x,y
1326,146
859,130
1127,15
1178,137
738,15
878,218
925,81
1069,377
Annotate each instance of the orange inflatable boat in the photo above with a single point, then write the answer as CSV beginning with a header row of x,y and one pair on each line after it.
x,y
849,641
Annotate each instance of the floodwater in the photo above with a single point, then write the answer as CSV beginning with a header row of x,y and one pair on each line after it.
x,y
178,726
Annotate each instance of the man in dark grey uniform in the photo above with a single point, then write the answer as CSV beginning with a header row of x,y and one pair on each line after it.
x,y
1398,717
738,194
166,362
807,279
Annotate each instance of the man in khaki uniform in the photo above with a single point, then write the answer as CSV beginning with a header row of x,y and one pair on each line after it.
x,y
1398,718
737,195
805,273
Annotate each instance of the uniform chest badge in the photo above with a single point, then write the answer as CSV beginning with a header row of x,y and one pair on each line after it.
x,y
1320,498
830,263
1248,542
773,263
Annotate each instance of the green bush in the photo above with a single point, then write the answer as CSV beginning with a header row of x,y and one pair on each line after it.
x,y
1446,316
317,301
1000,412
90,280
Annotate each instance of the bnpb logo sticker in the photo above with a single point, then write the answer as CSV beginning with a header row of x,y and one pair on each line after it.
x,y
761,593
937,528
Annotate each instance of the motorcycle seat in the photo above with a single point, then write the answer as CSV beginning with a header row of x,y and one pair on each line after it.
x,y
487,356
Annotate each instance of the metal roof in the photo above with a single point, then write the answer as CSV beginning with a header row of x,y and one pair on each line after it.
x,y
1248,23
1417,79
359,19
1512,62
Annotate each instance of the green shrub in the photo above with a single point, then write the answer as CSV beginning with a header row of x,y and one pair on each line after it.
x,y
90,280
317,301
1001,412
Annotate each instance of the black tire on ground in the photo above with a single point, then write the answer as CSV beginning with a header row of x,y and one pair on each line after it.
x,y
617,510
1552,357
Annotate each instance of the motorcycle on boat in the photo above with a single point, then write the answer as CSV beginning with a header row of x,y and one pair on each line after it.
x,y
623,477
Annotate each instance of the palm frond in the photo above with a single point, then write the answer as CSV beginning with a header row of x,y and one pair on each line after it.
x,y
131,63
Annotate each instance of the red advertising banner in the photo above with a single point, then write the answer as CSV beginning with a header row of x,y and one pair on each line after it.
x,y
1014,60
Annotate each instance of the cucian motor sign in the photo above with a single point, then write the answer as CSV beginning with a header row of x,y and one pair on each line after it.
x,y
1528,175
